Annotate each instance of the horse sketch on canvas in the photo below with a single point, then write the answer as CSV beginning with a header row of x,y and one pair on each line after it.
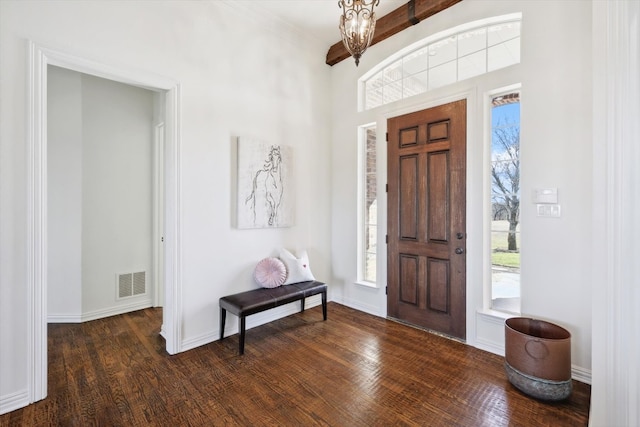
x,y
268,181
264,193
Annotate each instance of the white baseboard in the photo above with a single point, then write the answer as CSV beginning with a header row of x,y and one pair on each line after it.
x,y
200,340
232,324
64,318
357,305
99,314
490,346
581,374
11,402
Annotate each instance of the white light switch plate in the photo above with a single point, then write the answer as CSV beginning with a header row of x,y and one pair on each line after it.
x,y
549,211
545,195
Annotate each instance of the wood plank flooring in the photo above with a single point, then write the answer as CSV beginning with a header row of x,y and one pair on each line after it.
x,y
352,370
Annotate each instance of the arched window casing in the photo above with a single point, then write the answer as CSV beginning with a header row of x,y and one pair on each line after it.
x,y
450,56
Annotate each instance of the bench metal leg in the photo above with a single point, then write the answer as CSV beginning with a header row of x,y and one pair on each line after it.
x,y
242,327
223,318
324,305
302,304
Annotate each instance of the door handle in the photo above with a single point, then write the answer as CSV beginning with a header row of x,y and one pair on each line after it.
x,y
459,251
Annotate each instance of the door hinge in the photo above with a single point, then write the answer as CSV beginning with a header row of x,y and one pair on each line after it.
x,y
162,239
386,290
386,188
387,136
386,238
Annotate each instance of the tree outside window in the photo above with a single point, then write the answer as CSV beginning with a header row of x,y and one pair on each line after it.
x,y
505,202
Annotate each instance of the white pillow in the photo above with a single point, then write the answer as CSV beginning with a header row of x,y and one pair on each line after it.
x,y
298,269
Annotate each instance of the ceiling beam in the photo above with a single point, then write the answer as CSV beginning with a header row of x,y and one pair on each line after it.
x,y
392,23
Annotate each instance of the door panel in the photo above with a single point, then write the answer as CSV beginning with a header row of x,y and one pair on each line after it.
x,y
409,273
408,197
438,283
408,137
427,223
437,197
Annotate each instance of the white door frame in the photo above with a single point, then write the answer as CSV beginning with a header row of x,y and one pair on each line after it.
x,y
39,58
158,213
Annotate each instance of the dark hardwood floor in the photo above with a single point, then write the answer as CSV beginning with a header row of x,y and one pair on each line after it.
x,y
352,370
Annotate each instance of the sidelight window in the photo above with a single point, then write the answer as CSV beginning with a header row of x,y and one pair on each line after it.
x,y
505,202
368,209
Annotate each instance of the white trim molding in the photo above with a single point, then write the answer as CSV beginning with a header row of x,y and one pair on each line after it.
x,y
39,59
172,312
37,226
581,374
13,401
100,314
615,395
360,306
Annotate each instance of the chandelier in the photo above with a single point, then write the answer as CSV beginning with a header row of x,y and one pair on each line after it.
x,y
357,24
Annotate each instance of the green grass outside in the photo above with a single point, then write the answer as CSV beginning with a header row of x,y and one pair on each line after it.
x,y
499,232
505,259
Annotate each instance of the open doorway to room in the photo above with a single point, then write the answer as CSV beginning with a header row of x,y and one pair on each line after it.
x,y
104,196
37,193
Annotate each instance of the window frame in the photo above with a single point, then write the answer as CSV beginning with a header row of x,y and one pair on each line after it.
x,y
427,42
488,210
362,222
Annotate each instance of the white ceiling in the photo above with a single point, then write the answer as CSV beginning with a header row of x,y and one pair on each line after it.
x,y
318,18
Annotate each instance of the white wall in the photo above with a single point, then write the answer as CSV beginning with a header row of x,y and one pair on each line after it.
x,y
116,192
239,76
556,152
64,132
99,194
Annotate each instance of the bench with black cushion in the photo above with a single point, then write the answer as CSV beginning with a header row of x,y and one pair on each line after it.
x,y
257,300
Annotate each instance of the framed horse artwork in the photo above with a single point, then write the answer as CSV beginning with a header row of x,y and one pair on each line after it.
x,y
265,184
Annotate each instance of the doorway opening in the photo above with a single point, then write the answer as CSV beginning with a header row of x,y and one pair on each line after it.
x,y
39,60
104,203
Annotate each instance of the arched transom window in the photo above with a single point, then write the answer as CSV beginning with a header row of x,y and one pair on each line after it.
x,y
457,54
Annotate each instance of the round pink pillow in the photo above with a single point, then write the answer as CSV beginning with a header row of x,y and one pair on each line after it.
x,y
270,273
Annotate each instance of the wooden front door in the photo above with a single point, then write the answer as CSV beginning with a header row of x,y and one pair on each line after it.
x,y
427,222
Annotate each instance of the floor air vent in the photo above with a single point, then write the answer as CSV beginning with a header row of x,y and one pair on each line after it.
x,y
132,284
